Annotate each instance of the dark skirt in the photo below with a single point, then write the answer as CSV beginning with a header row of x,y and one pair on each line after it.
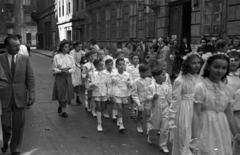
x,y
63,88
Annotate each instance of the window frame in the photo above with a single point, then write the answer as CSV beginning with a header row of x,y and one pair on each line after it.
x,y
209,22
133,20
119,23
108,23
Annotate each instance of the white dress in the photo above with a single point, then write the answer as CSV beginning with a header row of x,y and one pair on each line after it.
x,y
76,76
182,110
215,135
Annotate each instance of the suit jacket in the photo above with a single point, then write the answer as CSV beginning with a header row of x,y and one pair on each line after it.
x,y
18,85
182,49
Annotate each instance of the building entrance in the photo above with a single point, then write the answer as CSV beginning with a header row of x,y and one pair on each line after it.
x,y
180,19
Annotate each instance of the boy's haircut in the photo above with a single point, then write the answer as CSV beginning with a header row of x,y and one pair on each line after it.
x,y
88,54
133,55
119,51
96,62
119,59
156,71
108,61
143,68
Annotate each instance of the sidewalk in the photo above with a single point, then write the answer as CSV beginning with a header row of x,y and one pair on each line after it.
x,y
42,52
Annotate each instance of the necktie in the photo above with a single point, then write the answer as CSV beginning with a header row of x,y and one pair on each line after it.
x,y
13,65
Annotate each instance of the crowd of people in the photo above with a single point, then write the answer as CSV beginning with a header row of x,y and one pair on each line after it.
x,y
193,94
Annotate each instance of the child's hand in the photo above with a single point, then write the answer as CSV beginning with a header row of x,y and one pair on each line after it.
x,y
114,81
155,96
140,107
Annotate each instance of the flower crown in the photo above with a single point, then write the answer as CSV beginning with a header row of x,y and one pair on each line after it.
x,y
219,53
191,53
233,50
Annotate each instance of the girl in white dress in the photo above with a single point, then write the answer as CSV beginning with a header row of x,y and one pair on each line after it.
x,y
181,108
213,121
233,80
77,55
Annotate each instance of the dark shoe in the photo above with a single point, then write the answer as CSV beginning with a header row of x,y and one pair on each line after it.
x,y
4,148
59,110
78,101
64,114
15,153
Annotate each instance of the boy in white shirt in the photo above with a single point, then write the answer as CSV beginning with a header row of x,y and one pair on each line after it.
x,y
132,69
100,82
88,70
110,71
121,85
140,95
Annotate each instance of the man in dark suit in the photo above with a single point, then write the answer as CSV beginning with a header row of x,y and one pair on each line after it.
x,y
14,99
144,47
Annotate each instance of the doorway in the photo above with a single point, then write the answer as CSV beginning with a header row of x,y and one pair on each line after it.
x,y
186,20
180,20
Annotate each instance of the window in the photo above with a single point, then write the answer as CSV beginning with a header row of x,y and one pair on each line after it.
x,y
212,17
69,8
90,26
119,22
27,18
108,23
133,19
82,4
77,5
62,7
59,5
26,2
98,25
10,31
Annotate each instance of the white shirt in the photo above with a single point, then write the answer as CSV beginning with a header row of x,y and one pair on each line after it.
x,y
10,59
63,61
121,84
23,50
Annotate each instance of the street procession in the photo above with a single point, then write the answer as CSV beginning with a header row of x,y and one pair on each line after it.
x,y
102,77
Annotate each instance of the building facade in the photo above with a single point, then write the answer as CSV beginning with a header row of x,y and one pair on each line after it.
x,y
114,22
46,17
71,15
29,27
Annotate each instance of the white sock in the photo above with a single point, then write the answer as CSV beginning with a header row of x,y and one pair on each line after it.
x,y
99,117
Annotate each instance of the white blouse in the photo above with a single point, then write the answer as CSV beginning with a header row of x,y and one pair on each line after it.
x,y
63,61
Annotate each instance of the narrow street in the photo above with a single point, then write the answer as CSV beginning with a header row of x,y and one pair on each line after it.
x,y
47,133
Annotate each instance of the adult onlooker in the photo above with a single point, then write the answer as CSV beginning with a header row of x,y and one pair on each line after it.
x,y
214,41
176,57
145,47
235,44
155,45
129,49
203,43
94,44
20,78
63,66
185,47
160,44
23,48
165,55
221,46
77,55
139,51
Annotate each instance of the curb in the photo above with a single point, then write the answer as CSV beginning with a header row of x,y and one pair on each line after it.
x,y
41,53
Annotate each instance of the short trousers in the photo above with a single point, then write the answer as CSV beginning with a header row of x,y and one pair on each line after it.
x,y
120,100
100,98
89,93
